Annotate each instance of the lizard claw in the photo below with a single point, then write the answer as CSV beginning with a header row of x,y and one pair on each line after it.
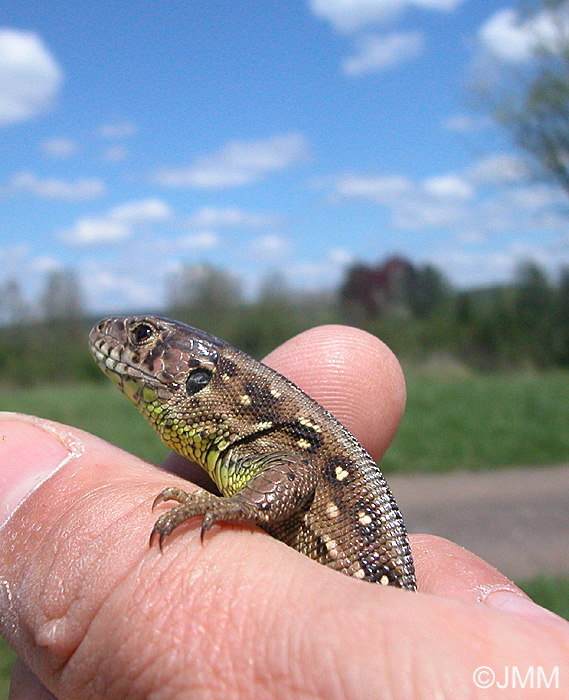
x,y
171,493
156,532
208,520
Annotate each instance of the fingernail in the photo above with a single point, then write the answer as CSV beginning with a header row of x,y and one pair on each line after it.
x,y
31,450
525,607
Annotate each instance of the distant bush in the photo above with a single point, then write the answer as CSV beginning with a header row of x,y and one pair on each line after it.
x,y
413,309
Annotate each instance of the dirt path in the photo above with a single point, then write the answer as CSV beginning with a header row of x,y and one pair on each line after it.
x,y
517,519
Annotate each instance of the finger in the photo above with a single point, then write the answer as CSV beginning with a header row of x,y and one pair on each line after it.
x,y
80,516
445,568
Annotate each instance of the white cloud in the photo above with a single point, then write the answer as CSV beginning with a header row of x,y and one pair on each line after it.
x,y
481,265
444,5
508,36
122,287
51,188
476,267
340,256
59,147
438,202
424,213
505,37
317,275
271,246
467,123
375,54
493,198
353,15
537,196
45,263
379,189
498,169
29,76
89,231
141,212
114,154
450,186
237,163
200,240
554,220
118,224
117,130
230,217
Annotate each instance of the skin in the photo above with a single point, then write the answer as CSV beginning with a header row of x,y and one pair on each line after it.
x,y
94,612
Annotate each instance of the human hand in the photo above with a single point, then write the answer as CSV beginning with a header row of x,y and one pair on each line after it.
x,y
94,612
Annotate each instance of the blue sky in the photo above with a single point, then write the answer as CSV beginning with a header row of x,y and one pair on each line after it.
x,y
294,136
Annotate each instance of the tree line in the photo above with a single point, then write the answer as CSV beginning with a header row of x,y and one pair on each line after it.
x,y
414,309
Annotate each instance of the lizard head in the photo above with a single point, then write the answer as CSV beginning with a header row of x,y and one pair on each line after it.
x,y
189,384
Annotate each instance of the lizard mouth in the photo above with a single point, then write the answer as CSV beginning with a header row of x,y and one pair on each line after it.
x,y
118,361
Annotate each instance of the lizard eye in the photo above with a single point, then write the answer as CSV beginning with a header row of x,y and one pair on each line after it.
x,y
142,333
197,380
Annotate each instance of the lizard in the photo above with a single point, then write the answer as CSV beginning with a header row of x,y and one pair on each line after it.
x,y
280,460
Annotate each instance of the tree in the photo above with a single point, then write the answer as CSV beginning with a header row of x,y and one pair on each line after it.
x,y
530,98
563,317
203,286
430,291
379,289
62,298
206,297
271,319
395,288
13,307
535,309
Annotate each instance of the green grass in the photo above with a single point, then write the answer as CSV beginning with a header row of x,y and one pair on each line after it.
x,y
6,663
472,421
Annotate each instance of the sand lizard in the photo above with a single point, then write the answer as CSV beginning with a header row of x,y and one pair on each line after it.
x,y
279,459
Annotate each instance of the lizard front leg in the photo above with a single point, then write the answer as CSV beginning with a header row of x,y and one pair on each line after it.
x,y
282,486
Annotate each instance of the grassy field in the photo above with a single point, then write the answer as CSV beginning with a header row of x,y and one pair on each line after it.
x,y
454,420
473,421
6,663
